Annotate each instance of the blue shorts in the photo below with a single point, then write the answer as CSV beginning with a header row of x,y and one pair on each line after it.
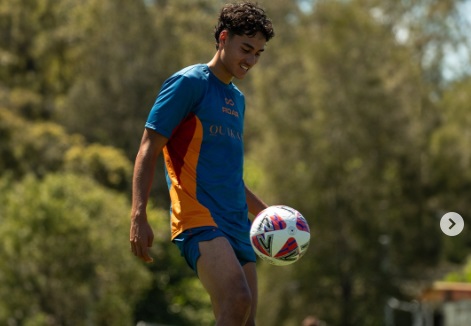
x,y
188,243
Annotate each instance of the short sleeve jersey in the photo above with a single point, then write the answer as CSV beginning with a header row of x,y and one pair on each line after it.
x,y
203,118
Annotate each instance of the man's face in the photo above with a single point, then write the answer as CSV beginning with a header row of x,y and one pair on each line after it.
x,y
239,53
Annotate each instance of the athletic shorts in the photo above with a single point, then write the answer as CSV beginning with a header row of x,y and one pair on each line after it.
x,y
188,243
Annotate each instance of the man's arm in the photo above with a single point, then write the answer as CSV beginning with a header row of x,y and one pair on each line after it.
x,y
141,234
255,204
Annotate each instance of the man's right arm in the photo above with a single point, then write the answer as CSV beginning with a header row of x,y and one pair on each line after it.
x,y
141,234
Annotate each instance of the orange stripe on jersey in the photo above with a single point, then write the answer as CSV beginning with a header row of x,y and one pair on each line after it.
x,y
181,158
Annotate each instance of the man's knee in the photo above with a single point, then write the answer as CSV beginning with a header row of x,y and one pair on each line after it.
x,y
239,303
243,298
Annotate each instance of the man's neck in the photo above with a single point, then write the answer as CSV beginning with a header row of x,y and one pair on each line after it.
x,y
218,69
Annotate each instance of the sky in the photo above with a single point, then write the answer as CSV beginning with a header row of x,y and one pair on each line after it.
x,y
459,59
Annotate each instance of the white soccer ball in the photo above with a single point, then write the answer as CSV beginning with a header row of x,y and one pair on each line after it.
x,y
280,235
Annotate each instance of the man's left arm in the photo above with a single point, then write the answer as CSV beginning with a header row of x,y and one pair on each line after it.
x,y
254,203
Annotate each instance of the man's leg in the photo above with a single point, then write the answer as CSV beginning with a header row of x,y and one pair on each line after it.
x,y
251,277
225,280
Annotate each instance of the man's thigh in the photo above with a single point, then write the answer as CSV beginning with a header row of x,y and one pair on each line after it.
x,y
219,269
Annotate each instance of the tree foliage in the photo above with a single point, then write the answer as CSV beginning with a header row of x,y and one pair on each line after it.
x,y
346,142
463,275
60,259
43,147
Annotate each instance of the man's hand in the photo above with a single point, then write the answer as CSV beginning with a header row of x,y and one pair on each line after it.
x,y
141,238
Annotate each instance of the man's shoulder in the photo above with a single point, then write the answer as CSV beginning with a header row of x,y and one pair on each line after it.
x,y
192,78
197,71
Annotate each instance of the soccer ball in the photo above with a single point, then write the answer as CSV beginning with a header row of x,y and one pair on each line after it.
x,y
280,235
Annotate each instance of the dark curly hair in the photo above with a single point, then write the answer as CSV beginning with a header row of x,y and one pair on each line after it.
x,y
245,18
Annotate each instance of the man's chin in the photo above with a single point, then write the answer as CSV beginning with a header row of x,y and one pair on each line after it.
x,y
240,76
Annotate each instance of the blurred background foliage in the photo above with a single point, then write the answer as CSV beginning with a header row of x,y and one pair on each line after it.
x,y
358,116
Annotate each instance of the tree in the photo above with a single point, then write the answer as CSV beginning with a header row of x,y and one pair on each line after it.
x,y
463,275
449,165
114,71
343,139
124,52
35,50
40,148
62,262
42,155
65,260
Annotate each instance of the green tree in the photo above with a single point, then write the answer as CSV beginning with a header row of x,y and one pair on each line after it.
x,y
449,167
112,59
124,52
40,148
34,51
65,259
343,138
106,164
29,147
61,261
463,275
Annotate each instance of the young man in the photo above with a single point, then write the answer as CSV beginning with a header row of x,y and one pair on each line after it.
x,y
197,121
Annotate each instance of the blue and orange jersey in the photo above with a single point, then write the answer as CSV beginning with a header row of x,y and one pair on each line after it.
x,y
203,118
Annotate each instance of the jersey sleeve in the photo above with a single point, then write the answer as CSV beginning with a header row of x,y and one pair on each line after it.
x,y
177,98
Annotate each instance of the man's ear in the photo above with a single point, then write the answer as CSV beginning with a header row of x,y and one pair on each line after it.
x,y
223,37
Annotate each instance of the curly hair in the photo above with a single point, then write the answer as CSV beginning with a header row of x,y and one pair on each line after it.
x,y
245,18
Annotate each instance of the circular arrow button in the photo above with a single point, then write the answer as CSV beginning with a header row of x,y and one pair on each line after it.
x,y
452,224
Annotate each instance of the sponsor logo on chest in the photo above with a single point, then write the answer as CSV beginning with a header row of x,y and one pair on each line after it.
x,y
228,109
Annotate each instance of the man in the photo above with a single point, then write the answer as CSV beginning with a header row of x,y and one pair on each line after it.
x,y
197,122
